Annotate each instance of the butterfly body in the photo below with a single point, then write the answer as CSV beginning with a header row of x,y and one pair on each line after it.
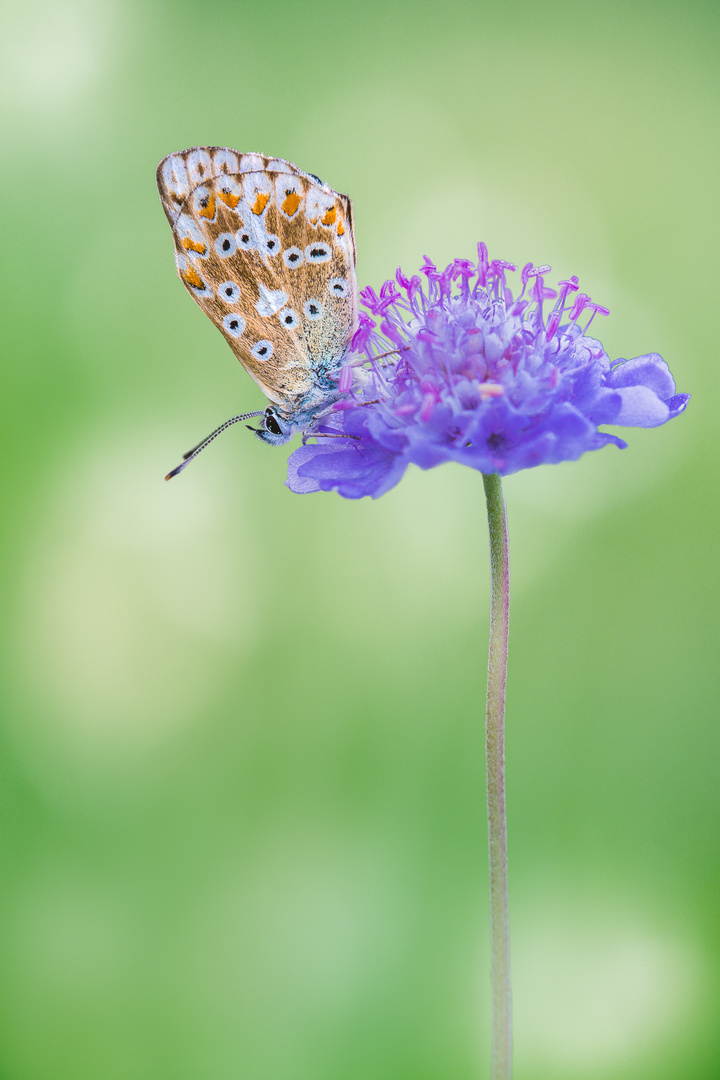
x,y
268,253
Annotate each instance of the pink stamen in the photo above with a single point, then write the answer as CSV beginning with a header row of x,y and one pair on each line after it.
x,y
581,302
597,310
535,271
552,325
483,263
569,286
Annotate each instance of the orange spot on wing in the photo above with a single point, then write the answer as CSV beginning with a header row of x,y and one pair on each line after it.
x,y
260,203
341,228
193,245
192,278
291,203
208,211
330,216
229,198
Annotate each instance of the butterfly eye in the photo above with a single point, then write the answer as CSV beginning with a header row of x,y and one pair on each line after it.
x,y
226,245
234,325
293,257
338,287
317,253
271,423
288,318
229,292
263,350
313,309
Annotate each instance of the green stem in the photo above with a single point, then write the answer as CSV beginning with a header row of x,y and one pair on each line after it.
x,y
495,748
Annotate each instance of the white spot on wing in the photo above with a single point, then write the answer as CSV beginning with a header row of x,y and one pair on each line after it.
x,y
199,166
313,309
251,163
175,177
225,161
318,203
252,235
270,301
276,165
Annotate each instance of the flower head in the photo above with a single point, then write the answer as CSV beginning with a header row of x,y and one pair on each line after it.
x,y
461,369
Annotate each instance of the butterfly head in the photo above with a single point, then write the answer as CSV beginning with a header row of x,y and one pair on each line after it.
x,y
275,429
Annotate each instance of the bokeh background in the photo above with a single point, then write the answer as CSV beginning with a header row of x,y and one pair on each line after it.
x,y
242,774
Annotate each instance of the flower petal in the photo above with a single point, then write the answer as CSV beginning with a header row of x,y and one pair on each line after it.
x,y
649,370
641,407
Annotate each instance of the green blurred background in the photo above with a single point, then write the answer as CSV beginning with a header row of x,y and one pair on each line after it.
x,y
242,775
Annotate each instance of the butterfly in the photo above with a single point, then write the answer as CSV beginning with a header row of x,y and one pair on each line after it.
x,y
268,253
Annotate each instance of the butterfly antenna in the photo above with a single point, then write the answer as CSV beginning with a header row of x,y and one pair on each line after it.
x,y
187,458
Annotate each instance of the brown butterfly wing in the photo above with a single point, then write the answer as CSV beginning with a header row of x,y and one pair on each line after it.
x,y
268,253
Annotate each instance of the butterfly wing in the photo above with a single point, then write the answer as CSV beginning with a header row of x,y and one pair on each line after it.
x,y
268,253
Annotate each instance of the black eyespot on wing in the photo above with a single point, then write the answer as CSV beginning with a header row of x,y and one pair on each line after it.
x,y
318,253
228,292
234,325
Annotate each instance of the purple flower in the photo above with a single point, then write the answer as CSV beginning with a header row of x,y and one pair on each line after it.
x,y
459,369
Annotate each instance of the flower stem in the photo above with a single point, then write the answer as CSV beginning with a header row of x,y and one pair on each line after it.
x,y
495,749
